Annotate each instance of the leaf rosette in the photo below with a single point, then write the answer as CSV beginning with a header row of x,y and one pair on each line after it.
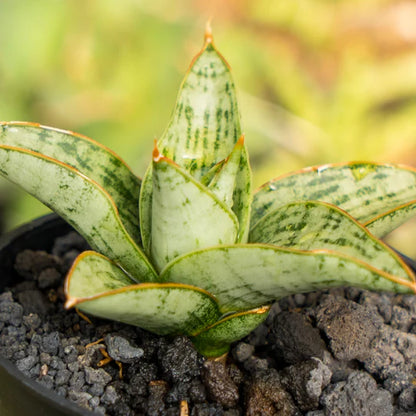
x,y
190,249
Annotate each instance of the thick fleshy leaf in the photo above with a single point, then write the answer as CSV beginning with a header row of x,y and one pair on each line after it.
x,y
186,216
88,157
364,190
145,209
243,197
209,176
232,184
247,275
315,225
81,202
205,124
202,132
223,183
95,285
216,339
388,221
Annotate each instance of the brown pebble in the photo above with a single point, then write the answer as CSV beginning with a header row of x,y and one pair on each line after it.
x,y
219,384
265,396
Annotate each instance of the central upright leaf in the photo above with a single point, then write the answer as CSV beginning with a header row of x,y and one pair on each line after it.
x,y
186,216
201,135
205,124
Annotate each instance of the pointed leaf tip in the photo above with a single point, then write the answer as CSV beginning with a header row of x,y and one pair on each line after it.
x,y
156,154
70,303
208,38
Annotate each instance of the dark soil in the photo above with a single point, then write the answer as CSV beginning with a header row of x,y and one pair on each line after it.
x,y
342,352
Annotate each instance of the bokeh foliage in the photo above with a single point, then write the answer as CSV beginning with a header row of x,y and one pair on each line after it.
x,y
319,82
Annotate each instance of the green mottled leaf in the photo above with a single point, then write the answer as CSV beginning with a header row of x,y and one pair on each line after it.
x,y
145,209
87,156
92,274
315,225
232,184
185,214
381,225
81,202
209,176
216,339
247,275
243,197
97,286
364,190
223,182
205,124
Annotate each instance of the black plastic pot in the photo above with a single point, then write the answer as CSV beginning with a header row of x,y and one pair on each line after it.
x,y
19,395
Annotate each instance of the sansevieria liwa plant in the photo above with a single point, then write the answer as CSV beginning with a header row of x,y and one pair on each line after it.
x,y
191,249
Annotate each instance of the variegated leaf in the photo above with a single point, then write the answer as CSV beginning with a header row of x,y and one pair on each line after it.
x,y
145,209
247,275
81,202
205,124
232,184
243,197
388,221
185,214
223,182
97,286
315,225
364,190
209,176
87,156
216,339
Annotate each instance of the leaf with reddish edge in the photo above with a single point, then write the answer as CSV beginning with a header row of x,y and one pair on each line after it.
x,y
372,193
81,202
97,286
185,214
89,157
243,276
205,124
312,225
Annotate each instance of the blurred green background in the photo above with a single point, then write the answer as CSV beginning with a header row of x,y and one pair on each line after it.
x,y
319,82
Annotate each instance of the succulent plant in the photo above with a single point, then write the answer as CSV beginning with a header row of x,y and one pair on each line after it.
x,y
191,249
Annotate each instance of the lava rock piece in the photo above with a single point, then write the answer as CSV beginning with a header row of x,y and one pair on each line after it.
x,y
219,384
407,398
97,376
393,359
179,360
305,381
34,301
29,263
349,326
358,395
157,392
67,242
381,301
242,351
110,395
50,343
10,311
266,396
27,363
49,277
120,349
205,409
295,338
